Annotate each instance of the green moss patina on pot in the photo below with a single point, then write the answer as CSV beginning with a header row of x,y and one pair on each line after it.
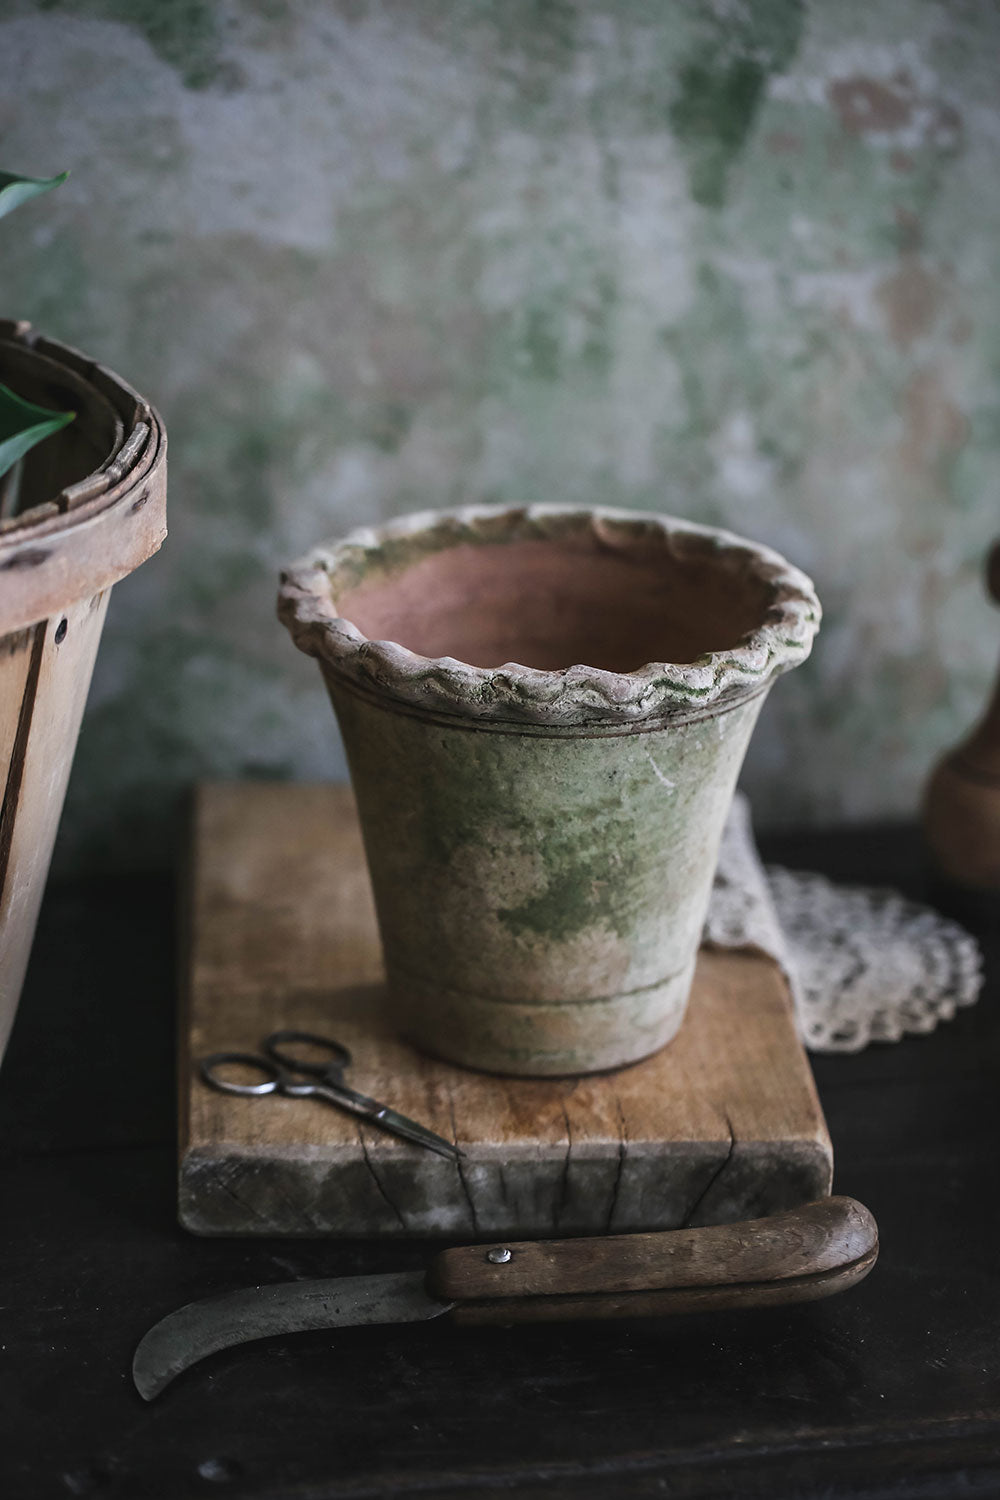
x,y
545,712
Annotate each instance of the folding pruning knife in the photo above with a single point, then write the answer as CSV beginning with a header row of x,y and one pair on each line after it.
x,y
796,1256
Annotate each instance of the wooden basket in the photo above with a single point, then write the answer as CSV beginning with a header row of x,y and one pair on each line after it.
x,y
90,507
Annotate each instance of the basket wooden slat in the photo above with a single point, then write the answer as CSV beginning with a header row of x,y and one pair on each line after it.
x,y
92,508
46,716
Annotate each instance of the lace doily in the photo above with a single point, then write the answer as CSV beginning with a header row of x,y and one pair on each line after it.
x,y
863,964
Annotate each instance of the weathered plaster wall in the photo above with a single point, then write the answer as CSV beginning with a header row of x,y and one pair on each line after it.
x,y
735,260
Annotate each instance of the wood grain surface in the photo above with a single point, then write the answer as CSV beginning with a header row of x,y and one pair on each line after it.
x,y
800,1255
821,1236
44,677
723,1124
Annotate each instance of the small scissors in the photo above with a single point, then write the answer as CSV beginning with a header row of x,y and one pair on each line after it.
x,y
279,1065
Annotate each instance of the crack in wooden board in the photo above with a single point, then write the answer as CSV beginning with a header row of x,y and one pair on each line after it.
x,y
722,1124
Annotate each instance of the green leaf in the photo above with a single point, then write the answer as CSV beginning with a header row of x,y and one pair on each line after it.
x,y
16,190
22,425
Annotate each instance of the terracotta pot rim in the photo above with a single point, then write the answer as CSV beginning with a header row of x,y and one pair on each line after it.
x,y
579,694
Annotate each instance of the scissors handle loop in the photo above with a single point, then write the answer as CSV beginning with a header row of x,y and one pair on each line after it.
x,y
285,1049
210,1071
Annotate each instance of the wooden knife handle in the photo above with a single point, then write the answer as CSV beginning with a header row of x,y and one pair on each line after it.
x,y
797,1256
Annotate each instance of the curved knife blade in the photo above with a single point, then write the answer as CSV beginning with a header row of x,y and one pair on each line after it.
x,y
201,1328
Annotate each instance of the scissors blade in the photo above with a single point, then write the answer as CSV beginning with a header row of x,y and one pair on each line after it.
x,y
381,1114
392,1120
193,1332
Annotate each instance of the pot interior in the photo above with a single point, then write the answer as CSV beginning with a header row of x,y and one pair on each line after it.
x,y
553,604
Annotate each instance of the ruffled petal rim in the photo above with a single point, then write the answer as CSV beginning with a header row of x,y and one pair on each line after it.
x,y
579,695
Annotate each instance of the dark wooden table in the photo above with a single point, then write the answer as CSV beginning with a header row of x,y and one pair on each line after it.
x,y
890,1390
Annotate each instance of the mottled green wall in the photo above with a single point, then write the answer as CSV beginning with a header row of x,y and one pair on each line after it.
x,y
735,260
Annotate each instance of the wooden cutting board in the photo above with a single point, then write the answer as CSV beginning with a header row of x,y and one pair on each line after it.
x,y
722,1124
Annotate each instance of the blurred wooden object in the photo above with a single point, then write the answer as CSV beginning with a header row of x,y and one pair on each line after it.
x,y
962,802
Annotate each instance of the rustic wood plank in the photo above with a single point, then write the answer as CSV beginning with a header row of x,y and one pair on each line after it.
x,y
723,1124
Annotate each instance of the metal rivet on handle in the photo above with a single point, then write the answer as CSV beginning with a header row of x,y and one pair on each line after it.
x,y
499,1256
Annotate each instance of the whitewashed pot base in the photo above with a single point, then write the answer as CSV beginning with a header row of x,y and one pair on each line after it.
x,y
617,1030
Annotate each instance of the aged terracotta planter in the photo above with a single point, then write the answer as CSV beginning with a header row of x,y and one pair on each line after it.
x,y
545,712
87,507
